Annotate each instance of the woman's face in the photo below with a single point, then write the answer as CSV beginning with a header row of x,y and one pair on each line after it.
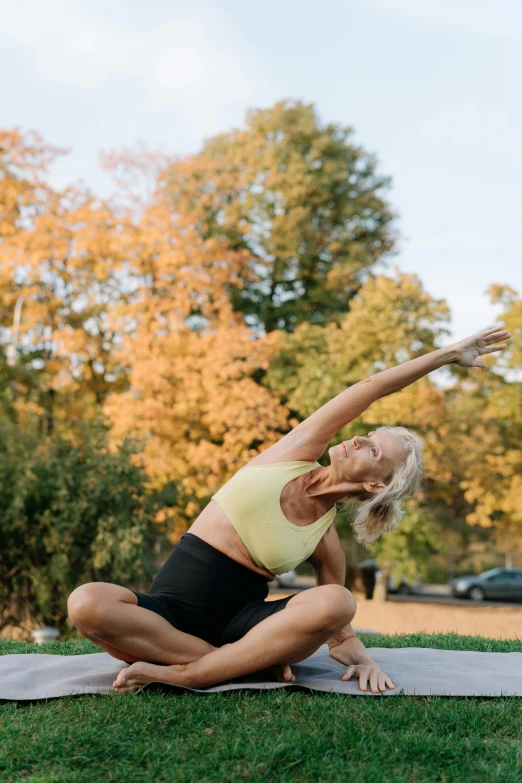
x,y
368,458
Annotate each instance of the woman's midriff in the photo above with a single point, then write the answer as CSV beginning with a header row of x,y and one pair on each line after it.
x,y
213,526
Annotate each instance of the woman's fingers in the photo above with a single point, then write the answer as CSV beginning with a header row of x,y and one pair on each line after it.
x,y
493,348
384,682
378,680
497,337
493,330
374,681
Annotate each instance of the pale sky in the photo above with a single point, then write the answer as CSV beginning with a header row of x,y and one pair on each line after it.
x,y
432,87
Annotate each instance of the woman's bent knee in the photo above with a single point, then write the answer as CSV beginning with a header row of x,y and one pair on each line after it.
x,y
88,606
331,607
82,605
339,606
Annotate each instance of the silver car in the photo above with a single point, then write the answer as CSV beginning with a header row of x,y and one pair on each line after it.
x,y
503,583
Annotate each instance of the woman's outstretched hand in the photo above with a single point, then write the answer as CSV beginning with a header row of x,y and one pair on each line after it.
x,y
468,350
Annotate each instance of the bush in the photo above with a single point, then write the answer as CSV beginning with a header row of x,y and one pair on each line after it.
x,y
72,512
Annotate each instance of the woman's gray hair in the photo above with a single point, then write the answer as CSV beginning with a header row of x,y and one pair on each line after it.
x,y
382,512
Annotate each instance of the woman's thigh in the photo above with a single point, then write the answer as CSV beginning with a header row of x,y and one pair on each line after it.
x,y
331,603
113,619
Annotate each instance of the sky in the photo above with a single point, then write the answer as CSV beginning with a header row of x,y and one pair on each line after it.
x,y
432,88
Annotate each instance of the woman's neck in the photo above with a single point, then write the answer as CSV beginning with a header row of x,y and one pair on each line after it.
x,y
327,489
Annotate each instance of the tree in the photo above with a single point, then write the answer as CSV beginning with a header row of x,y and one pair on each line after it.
x,y
195,402
408,549
193,394
218,301
493,480
391,319
302,199
60,259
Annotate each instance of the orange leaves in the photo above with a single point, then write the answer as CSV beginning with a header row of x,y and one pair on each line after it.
x,y
62,255
201,412
160,308
24,161
191,359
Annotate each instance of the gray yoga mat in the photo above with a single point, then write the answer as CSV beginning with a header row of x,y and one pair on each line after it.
x,y
416,671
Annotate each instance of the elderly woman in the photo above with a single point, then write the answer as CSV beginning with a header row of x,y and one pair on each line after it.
x,y
205,619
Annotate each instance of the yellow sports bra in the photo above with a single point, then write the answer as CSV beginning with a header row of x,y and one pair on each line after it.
x,y
251,501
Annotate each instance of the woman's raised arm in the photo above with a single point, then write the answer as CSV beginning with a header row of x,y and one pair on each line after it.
x,y
314,433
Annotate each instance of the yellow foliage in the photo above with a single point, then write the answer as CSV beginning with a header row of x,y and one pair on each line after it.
x,y
132,308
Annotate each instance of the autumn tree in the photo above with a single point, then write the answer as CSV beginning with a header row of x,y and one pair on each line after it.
x,y
304,201
392,319
193,395
221,298
60,260
493,476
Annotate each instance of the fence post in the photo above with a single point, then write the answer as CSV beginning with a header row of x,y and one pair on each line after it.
x,y
450,565
380,593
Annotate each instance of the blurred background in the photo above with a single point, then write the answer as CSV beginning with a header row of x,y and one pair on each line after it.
x,y
214,218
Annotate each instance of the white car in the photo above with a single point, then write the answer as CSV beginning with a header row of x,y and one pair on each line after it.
x,y
284,580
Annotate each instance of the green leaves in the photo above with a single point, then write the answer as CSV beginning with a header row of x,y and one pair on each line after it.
x,y
72,512
301,199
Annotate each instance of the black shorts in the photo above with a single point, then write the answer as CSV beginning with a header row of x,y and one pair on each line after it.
x,y
205,593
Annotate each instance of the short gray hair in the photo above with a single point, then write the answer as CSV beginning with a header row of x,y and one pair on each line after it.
x,y
382,513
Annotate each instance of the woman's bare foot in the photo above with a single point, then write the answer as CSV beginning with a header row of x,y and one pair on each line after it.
x,y
135,677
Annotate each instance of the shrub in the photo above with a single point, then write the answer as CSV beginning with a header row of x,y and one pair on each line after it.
x,y
72,512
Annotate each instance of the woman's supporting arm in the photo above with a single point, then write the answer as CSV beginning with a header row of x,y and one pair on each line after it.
x,y
329,564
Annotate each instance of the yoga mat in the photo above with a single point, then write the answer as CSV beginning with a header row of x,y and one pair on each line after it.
x,y
416,671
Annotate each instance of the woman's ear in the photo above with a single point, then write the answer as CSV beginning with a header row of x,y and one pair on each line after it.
x,y
373,487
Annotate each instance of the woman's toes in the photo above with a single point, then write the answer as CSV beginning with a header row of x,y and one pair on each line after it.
x,y
131,678
121,678
287,674
281,673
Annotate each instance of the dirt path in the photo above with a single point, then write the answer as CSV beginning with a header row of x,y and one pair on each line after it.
x,y
496,622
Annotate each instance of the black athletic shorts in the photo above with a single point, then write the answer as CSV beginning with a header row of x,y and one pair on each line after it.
x,y
205,593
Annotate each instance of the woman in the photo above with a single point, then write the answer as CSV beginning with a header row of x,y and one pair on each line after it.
x,y
205,618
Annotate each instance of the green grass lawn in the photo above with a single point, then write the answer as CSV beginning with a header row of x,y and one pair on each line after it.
x,y
256,736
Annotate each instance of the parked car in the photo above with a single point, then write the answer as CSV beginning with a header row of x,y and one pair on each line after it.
x,y
504,583
397,582
284,580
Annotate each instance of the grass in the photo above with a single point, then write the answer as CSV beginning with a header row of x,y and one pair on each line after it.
x,y
264,737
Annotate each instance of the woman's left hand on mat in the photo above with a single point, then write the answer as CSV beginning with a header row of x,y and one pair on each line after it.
x,y
369,672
